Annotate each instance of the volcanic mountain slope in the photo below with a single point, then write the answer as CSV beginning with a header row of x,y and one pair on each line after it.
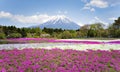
x,y
62,22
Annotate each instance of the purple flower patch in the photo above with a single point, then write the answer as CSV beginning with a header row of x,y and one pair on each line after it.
x,y
57,60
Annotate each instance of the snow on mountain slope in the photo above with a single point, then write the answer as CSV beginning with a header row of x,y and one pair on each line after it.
x,y
59,21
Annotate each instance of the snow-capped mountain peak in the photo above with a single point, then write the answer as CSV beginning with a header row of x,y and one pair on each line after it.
x,y
59,18
60,21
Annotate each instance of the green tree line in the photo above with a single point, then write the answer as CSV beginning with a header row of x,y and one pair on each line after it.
x,y
96,30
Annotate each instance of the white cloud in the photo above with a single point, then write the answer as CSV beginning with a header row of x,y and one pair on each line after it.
x,y
92,9
5,14
98,3
89,8
99,20
96,20
62,12
95,3
112,18
79,23
86,7
33,19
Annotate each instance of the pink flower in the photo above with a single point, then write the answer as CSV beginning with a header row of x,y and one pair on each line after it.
x,y
3,70
1,60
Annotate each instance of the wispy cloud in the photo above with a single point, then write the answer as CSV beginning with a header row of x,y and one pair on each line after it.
x,y
62,12
88,8
113,2
96,20
92,9
112,18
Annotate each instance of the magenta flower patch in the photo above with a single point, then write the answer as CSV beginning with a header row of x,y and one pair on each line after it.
x,y
51,40
57,60
114,42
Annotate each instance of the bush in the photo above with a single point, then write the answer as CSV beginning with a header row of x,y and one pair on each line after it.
x,y
66,34
29,35
2,36
15,35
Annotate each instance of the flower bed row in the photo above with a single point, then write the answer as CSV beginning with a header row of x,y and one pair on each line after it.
x,y
114,42
57,60
42,40
83,42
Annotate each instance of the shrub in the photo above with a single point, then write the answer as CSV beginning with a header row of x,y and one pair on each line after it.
x,y
66,34
2,36
14,35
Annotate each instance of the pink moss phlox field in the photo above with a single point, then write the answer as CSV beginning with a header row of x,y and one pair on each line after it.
x,y
39,40
57,60
114,42
51,40
83,42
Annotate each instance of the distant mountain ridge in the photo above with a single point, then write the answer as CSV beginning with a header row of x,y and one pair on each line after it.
x,y
59,22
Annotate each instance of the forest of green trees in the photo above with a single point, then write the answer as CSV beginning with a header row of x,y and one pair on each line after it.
x,y
96,30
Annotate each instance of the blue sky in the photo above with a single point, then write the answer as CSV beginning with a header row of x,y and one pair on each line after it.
x,y
25,13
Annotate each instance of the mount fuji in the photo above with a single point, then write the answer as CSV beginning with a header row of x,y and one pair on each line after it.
x,y
59,21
